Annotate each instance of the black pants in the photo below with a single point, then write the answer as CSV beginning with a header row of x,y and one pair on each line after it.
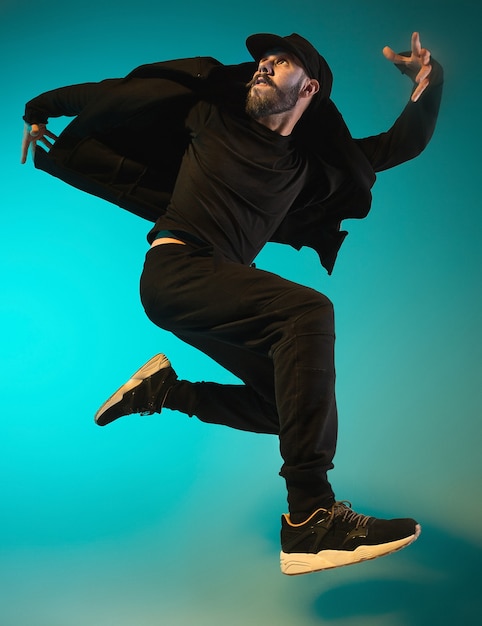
x,y
276,336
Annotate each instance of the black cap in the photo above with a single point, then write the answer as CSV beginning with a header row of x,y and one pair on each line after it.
x,y
314,64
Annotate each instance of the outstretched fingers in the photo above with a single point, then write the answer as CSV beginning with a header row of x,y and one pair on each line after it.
x,y
31,135
417,64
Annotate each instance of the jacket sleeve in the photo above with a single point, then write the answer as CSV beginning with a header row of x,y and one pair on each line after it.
x,y
411,132
128,135
68,101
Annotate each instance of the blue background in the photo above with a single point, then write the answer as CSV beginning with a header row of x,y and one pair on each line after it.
x,y
164,520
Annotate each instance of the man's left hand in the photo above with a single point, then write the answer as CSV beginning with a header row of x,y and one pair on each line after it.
x,y
418,64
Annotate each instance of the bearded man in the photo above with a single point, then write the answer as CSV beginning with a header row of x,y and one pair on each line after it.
x,y
270,161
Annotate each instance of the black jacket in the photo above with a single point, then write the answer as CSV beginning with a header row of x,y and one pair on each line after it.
x,y
128,137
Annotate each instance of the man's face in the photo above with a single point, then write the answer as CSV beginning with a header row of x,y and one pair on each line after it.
x,y
276,85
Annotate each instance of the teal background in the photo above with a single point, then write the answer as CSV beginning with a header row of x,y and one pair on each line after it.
x,y
164,520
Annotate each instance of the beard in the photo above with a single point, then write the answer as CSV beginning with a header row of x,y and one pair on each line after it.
x,y
271,100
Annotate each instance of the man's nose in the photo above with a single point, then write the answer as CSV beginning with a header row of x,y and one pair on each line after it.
x,y
265,67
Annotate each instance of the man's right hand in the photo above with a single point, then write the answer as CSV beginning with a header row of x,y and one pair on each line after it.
x,y
32,134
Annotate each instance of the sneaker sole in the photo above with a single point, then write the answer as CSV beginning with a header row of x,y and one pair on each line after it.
x,y
293,564
154,365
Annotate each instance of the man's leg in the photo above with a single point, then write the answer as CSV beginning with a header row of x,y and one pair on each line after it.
x,y
275,335
278,338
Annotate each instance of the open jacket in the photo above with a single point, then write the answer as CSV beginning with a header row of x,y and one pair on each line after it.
x,y
128,136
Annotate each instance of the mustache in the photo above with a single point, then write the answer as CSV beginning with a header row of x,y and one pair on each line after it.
x,y
265,78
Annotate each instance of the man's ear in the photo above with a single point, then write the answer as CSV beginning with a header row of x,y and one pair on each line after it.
x,y
311,88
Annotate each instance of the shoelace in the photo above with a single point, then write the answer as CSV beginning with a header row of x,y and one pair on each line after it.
x,y
344,509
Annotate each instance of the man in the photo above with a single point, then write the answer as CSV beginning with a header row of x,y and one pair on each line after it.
x,y
273,161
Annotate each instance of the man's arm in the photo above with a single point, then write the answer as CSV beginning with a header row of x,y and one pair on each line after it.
x,y
65,101
414,128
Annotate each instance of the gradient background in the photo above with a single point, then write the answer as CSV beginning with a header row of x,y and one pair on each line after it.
x,y
164,520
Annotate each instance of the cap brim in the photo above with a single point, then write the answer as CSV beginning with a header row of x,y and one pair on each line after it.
x,y
261,43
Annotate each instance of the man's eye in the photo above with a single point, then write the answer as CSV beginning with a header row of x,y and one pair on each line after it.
x,y
280,61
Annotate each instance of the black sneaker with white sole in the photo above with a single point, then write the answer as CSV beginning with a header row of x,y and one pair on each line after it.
x,y
338,536
144,393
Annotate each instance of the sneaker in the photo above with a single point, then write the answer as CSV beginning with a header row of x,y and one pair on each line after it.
x,y
144,393
339,536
